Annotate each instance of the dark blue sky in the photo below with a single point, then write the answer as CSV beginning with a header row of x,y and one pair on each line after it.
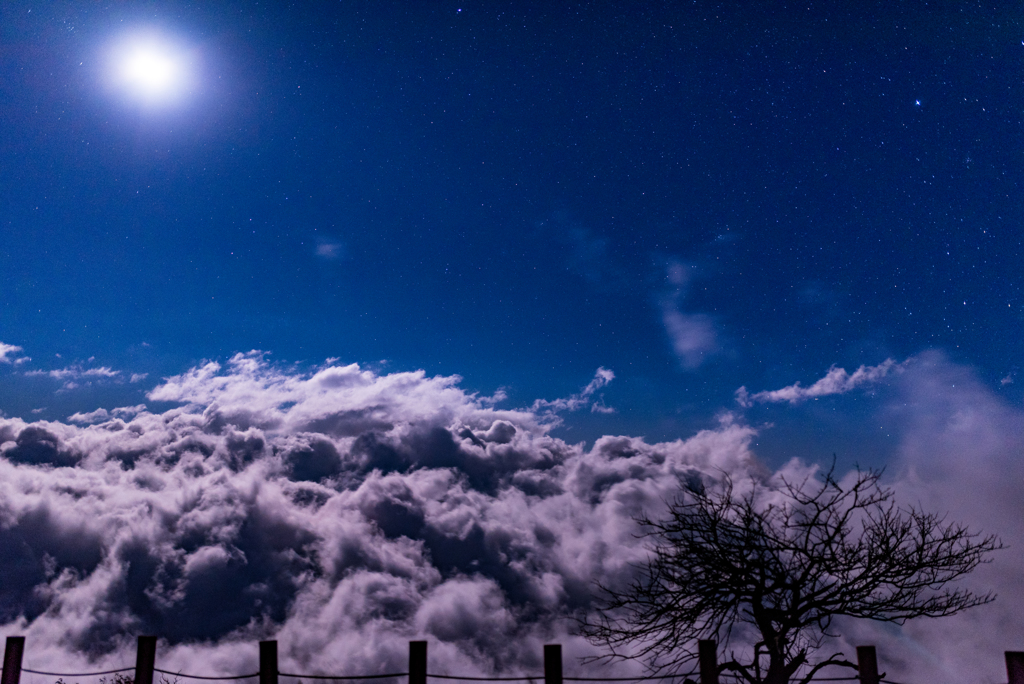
x,y
697,196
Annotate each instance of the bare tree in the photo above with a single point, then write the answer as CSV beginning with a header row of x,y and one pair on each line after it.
x,y
774,567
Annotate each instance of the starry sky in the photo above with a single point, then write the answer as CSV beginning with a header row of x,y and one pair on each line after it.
x,y
400,311
697,196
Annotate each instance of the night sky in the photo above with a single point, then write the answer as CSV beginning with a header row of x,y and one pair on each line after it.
x,y
502,191
712,201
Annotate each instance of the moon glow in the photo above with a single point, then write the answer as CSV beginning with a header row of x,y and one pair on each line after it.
x,y
150,69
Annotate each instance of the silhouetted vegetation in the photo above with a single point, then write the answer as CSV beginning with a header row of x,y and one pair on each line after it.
x,y
773,568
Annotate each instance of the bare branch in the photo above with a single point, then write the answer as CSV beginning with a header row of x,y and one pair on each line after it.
x,y
784,562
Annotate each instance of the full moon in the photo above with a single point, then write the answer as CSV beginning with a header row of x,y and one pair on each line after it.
x,y
150,69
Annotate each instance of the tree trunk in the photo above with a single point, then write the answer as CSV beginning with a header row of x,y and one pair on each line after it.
x,y
776,675
779,671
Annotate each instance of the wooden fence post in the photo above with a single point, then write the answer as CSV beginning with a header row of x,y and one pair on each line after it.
x,y
707,658
1015,667
268,662
13,652
417,662
145,660
552,664
867,665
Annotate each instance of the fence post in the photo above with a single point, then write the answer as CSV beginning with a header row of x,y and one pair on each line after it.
x,y
867,665
13,652
707,657
417,662
1015,667
268,662
145,660
552,664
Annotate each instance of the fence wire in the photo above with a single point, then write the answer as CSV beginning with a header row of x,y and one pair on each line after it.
x,y
379,676
394,675
627,679
218,679
76,674
486,679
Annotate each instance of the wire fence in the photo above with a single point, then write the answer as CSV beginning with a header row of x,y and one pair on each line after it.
x,y
707,673
395,675
390,675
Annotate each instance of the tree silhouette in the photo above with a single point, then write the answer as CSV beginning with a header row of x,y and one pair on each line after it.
x,y
774,567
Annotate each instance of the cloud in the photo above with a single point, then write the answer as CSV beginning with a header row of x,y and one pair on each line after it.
x,y
575,402
8,352
693,335
102,415
590,257
961,453
75,376
340,511
331,250
586,253
344,512
836,381
98,416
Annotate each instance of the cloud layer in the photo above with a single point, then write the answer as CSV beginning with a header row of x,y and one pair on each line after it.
x,y
344,512
341,511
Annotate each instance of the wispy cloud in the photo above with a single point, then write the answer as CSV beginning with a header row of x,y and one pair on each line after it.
x,y
583,398
693,335
836,381
75,376
102,415
331,250
587,253
11,354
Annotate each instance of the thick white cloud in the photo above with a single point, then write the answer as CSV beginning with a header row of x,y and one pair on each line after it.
x,y
341,511
344,512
